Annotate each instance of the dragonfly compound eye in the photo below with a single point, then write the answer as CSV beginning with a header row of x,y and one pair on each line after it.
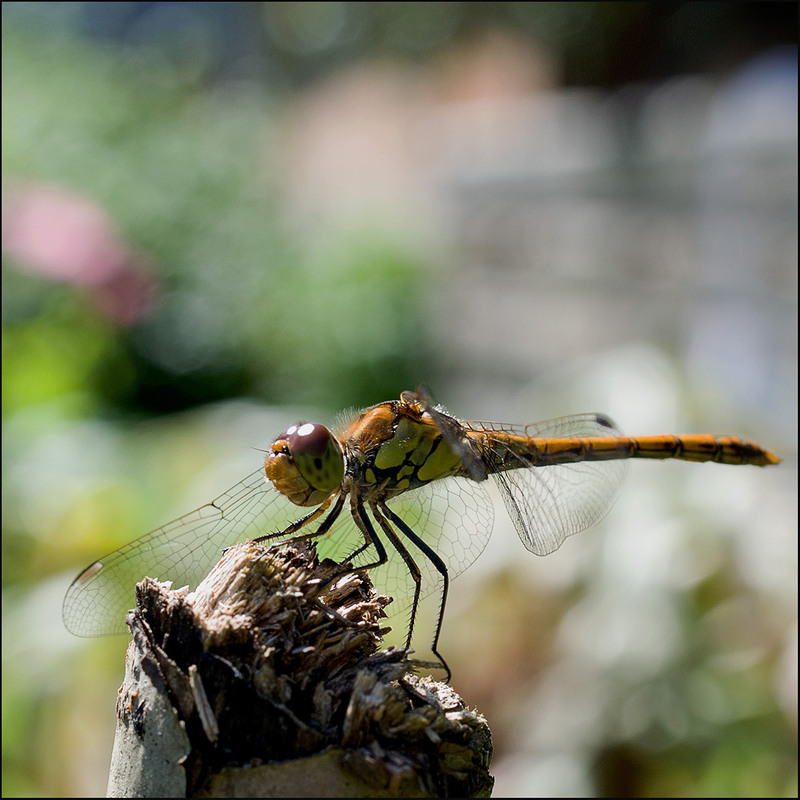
x,y
305,463
316,454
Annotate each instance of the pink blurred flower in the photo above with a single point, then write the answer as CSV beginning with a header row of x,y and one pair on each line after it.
x,y
63,236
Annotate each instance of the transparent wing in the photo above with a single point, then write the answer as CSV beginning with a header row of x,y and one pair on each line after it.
x,y
183,551
454,517
549,503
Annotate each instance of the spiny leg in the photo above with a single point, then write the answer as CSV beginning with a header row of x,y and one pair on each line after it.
x,y
299,524
370,537
380,508
327,523
437,562
368,532
413,569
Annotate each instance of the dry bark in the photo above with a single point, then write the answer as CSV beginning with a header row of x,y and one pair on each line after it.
x,y
268,681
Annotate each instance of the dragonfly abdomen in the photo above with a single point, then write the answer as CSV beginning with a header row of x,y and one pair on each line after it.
x,y
694,447
704,447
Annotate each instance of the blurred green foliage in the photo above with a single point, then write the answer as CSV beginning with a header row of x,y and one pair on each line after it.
x,y
241,307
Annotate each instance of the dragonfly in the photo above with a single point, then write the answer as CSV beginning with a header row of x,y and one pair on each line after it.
x,y
400,490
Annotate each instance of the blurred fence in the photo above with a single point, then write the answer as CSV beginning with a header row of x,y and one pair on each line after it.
x,y
585,220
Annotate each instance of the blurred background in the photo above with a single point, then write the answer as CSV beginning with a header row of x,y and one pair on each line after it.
x,y
221,217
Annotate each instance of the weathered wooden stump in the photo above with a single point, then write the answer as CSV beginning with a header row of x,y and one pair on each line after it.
x,y
268,681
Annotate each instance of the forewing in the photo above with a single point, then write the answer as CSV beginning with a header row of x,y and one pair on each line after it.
x,y
549,503
183,551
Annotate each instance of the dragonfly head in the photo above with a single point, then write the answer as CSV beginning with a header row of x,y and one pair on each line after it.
x,y
305,463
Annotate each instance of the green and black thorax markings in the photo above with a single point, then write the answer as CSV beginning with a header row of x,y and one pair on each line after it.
x,y
395,447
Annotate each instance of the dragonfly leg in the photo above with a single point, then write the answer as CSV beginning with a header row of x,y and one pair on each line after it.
x,y
370,538
413,569
299,524
431,556
368,533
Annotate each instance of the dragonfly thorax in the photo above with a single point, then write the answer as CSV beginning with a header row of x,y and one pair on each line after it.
x,y
305,463
394,447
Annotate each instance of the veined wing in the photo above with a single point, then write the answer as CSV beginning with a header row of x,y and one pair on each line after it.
x,y
453,516
183,551
547,504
